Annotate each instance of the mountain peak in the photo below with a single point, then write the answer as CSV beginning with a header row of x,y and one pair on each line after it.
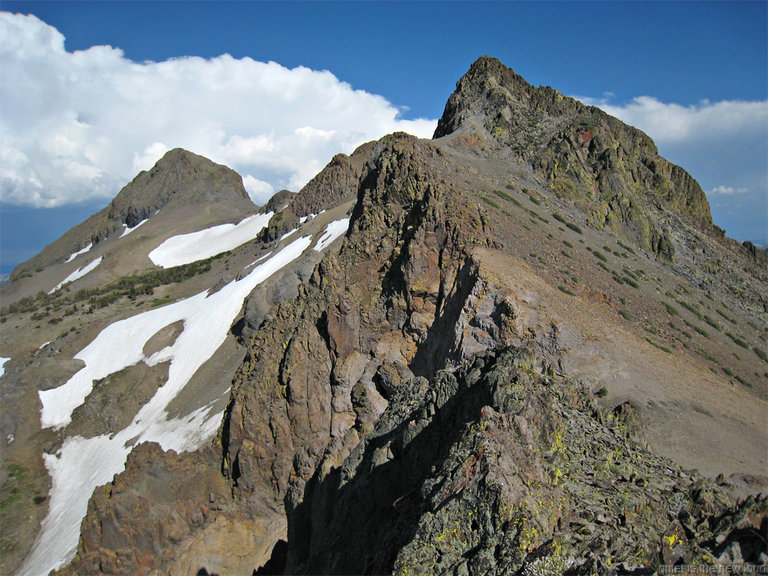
x,y
612,170
182,157
490,89
181,180
180,177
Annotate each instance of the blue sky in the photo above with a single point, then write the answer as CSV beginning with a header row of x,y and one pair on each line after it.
x,y
693,75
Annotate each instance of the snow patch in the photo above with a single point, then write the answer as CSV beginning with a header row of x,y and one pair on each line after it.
x,y
44,344
83,464
252,264
79,273
2,365
332,231
284,236
129,230
187,248
83,251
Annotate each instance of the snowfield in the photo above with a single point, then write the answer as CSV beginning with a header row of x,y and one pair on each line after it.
x,y
2,365
332,231
187,248
83,251
82,464
79,273
129,230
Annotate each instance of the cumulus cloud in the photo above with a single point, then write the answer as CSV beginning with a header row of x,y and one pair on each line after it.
x,y
728,191
79,125
670,122
257,189
724,145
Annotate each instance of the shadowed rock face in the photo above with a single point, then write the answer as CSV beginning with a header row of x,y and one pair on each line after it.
x,y
420,400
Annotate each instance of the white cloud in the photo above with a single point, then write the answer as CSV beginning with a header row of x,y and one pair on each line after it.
x,y
728,191
79,125
149,156
724,145
257,188
670,122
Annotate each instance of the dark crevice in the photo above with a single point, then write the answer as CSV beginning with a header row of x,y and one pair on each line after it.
x,y
276,563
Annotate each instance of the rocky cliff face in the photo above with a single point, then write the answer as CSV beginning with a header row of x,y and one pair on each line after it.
x,y
509,365
384,309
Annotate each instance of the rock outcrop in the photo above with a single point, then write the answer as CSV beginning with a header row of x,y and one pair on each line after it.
x,y
320,368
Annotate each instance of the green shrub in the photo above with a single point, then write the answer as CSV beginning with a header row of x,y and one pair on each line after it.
x,y
737,340
712,323
631,282
505,196
724,316
744,382
701,331
659,346
691,308
627,248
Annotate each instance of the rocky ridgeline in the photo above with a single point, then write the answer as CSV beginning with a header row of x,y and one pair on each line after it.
x,y
381,310
498,468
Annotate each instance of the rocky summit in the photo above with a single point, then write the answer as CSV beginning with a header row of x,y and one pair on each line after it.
x,y
521,347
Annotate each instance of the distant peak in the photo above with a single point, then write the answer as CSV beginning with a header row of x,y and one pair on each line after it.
x,y
585,154
181,177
